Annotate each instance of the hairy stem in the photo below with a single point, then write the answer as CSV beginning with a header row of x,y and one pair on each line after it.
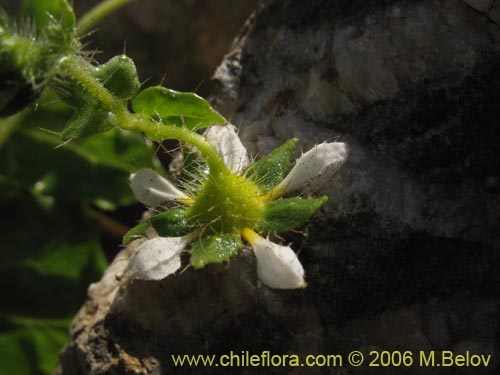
x,y
75,67
93,16
159,132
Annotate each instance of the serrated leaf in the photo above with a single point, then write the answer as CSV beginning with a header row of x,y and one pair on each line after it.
x,y
272,168
214,249
286,214
170,223
177,108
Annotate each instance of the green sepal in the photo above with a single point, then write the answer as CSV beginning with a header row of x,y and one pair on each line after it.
x,y
170,223
272,168
214,249
92,119
286,214
119,76
135,233
177,108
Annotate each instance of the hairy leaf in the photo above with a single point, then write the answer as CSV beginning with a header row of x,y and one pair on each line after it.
x,y
170,223
272,168
286,214
177,108
214,249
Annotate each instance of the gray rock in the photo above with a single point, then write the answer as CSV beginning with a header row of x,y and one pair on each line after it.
x,y
405,254
480,5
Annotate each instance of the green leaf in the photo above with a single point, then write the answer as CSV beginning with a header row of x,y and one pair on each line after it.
x,y
177,108
119,149
30,345
42,291
50,278
170,223
53,258
79,175
214,249
50,249
272,168
286,214
97,169
122,150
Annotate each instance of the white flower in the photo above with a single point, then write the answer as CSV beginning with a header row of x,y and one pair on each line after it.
x,y
314,168
278,266
152,189
156,258
228,145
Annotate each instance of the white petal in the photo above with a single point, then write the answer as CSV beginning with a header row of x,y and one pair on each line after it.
x,y
152,189
228,145
155,259
278,266
315,167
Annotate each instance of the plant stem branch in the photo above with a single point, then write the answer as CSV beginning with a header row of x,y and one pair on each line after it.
x,y
77,68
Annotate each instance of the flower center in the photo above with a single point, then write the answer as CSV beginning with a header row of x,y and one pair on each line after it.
x,y
227,203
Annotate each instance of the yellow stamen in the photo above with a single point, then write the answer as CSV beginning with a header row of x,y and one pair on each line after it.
x,y
250,236
272,195
186,201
